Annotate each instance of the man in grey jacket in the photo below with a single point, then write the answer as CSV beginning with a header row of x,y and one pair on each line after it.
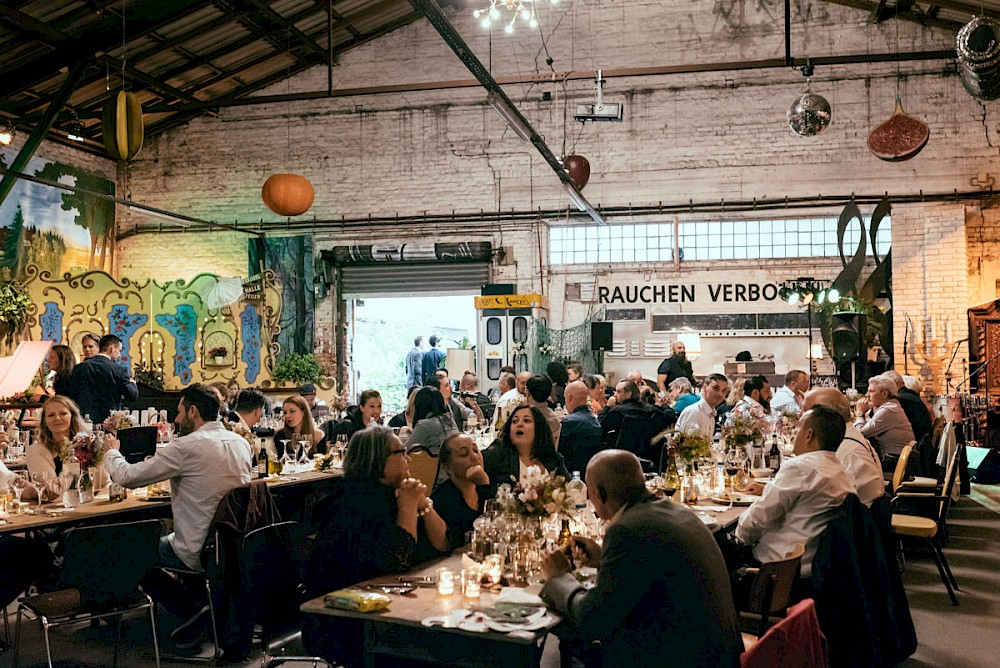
x,y
662,595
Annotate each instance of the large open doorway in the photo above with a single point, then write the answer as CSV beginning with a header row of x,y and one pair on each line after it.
x,y
384,329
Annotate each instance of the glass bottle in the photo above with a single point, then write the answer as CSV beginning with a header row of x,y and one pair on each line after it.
x,y
671,477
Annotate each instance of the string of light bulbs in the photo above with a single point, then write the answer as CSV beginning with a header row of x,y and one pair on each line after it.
x,y
519,9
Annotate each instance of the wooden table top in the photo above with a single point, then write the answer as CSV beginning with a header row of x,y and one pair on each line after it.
x,y
52,514
423,602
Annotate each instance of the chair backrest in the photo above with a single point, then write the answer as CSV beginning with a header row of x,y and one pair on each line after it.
x,y
899,475
272,571
771,590
950,480
636,433
107,562
138,443
794,641
424,466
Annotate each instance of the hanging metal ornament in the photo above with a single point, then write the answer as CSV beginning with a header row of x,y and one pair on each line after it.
x,y
809,114
978,48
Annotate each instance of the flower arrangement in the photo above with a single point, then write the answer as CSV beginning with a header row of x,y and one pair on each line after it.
x,y
537,494
788,420
218,351
688,445
545,349
518,348
117,420
19,398
87,450
745,424
325,462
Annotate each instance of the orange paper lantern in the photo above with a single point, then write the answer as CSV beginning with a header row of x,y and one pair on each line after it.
x,y
579,170
287,194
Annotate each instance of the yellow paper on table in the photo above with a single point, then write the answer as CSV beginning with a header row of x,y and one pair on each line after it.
x,y
357,600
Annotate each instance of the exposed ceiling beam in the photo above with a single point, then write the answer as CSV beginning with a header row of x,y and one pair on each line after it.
x,y
915,16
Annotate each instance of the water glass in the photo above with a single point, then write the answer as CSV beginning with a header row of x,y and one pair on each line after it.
x,y
471,578
445,581
494,567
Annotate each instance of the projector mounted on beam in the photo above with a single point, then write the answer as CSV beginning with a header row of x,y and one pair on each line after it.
x,y
600,110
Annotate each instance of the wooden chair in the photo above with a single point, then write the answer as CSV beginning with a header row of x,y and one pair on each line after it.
x,y
772,588
929,529
899,475
89,590
424,466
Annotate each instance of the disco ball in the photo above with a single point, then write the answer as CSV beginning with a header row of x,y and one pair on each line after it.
x,y
809,115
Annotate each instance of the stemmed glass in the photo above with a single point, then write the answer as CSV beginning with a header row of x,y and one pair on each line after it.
x,y
289,458
341,446
284,449
19,483
733,463
44,482
305,445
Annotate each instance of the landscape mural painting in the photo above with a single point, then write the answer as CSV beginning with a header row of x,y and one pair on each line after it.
x,y
58,231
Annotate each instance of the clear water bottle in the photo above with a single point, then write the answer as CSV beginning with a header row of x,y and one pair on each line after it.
x,y
577,491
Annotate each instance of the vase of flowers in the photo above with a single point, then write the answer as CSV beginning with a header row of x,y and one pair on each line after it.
x,y
117,420
88,451
537,494
687,446
745,425
218,354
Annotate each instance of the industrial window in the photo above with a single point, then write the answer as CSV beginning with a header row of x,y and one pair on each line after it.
x,y
714,240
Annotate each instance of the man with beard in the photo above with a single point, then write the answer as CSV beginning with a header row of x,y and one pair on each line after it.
x,y
205,463
675,366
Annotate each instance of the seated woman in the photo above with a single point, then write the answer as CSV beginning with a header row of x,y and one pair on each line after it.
x,y
59,423
596,396
377,520
526,440
459,499
61,362
368,412
432,420
299,426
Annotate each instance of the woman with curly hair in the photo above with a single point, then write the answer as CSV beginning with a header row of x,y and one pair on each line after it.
x,y
526,440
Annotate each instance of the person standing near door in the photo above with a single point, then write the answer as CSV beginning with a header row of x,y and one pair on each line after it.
x,y
432,358
414,365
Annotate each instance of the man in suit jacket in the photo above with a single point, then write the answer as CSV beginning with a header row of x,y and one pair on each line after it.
x,y
631,424
580,438
662,595
99,383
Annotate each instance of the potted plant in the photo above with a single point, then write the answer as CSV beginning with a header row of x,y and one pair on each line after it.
x,y
14,306
219,353
296,368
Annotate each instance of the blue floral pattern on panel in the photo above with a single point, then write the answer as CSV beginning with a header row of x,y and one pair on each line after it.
x,y
182,325
51,321
250,332
123,325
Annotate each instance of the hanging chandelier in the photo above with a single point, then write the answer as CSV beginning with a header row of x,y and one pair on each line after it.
x,y
519,9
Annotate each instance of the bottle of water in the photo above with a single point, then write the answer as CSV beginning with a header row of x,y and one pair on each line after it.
x,y
88,425
576,489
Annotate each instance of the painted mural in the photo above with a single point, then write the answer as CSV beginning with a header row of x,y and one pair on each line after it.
x,y
291,260
164,327
56,230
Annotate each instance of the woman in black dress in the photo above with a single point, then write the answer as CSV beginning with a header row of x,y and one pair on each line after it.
x,y
459,500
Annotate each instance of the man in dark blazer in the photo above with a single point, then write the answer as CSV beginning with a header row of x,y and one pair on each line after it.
x,y
662,596
99,383
631,424
580,437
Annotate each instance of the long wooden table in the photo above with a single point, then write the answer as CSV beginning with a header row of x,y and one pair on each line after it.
x,y
136,506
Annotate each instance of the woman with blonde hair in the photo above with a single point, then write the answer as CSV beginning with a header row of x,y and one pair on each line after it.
x,y
299,426
90,345
59,423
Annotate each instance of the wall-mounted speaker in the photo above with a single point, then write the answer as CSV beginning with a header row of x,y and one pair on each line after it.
x,y
846,336
601,334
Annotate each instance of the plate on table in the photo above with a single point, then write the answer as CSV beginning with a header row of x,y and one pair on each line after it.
x,y
154,499
735,498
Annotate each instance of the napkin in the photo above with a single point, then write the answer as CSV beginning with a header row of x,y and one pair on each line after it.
x,y
520,596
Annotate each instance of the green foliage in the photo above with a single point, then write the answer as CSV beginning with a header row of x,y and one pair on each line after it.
x,y
296,368
150,375
14,305
46,250
14,256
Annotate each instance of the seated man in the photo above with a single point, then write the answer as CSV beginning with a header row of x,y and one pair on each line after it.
x,y
662,596
882,420
913,406
631,424
701,415
580,438
855,453
804,495
756,394
205,463
468,390
790,398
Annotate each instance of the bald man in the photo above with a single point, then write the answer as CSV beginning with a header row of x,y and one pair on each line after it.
x,y
662,596
580,437
855,453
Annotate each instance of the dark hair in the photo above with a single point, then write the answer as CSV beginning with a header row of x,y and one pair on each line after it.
x,y
201,397
417,340
717,377
544,448
575,366
429,402
410,390
591,381
631,388
647,395
507,369
539,387
557,372
827,424
444,455
366,395
754,383
434,340
107,341
367,453
249,400
793,376
66,359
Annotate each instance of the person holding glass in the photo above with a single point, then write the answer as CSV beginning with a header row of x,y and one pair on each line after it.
x,y
459,500
526,440
299,426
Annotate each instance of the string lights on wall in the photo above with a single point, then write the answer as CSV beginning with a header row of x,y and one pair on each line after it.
x,y
519,9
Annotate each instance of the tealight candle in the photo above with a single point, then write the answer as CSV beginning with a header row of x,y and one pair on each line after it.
x,y
494,567
445,581
470,582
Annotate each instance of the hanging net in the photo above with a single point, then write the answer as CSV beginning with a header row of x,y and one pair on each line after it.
x,y
546,345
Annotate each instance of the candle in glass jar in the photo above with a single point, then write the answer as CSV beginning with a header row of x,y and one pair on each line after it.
x,y
445,581
470,582
494,567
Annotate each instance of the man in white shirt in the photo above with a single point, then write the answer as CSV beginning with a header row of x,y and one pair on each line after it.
x,y
855,453
700,416
509,399
804,495
204,464
756,393
790,398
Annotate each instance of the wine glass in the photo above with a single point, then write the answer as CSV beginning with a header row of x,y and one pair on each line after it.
x,y
732,463
284,448
18,483
305,445
23,440
44,483
290,453
341,446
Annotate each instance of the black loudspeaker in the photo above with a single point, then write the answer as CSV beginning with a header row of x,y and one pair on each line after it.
x,y
601,334
846,335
